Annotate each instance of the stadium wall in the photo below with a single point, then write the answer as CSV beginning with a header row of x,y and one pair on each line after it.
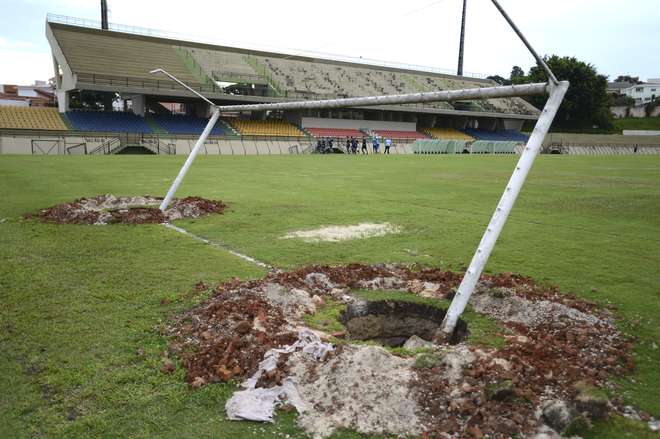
x,y
35,143
60,144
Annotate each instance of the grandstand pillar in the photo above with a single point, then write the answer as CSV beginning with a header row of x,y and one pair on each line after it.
x,y
63,101
199,109
513,124
107,101
139,104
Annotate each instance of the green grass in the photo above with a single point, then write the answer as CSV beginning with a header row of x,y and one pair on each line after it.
x,y
326,317
82,309
633,123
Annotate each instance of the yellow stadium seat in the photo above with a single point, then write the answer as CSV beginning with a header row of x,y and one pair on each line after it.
x,y
31,118
447,134
272,128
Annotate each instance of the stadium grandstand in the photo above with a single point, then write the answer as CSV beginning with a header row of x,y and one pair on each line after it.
x,y
137,111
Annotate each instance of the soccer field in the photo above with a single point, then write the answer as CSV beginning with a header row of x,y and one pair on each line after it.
x,y
82,308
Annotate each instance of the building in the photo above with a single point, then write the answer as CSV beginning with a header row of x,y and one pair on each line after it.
x,y
618,87
41,94
643,93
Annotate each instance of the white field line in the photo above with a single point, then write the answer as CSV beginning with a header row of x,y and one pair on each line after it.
x,y
220,246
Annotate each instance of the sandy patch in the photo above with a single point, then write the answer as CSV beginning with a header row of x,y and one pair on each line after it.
x,y
344,233
363,388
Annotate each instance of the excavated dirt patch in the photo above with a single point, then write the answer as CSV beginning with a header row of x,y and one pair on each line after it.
x,y
554,345
391,323
109,209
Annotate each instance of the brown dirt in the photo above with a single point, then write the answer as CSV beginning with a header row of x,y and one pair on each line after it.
x,y
108,209
227,336
552,357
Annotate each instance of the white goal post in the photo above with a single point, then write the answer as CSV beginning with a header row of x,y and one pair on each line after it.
x,y
553,87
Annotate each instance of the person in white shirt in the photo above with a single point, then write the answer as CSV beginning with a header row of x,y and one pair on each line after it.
x,y
388,144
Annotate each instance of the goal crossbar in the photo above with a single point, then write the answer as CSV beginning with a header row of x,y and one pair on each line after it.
x,y
556,90
503,91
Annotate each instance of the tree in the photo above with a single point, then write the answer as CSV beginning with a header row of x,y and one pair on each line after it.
x,y
517,74
619,100
500,80
628,79
651,106
586,102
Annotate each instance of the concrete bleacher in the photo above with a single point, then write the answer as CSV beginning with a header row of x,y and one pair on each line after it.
x,y
446,134
95,57
180,124
108,121
225,65
122,60
501,136
303,78
271,128
31,118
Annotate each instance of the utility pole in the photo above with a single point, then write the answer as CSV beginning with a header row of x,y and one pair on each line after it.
x,y
104,15
461,46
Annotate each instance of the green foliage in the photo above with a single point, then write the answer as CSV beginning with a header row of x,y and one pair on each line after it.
x,y
500,80
651,106
619,100
586,102
629,79
517,75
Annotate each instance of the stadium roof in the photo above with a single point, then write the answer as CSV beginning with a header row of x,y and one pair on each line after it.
x,y
120,61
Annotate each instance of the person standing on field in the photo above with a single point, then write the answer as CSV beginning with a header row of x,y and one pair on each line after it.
x,y
388,144
364,145
374,144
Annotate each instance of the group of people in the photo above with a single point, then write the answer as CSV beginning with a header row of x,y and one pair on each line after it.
x,y
326,145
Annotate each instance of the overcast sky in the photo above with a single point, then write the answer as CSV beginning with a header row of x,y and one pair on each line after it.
x,y
617,37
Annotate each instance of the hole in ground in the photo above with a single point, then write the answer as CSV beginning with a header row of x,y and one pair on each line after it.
x,y
392,322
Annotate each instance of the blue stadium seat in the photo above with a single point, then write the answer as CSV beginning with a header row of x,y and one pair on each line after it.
x,y
498,136
108,121
178,124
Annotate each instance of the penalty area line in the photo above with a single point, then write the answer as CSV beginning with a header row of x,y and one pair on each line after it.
x,y
220,246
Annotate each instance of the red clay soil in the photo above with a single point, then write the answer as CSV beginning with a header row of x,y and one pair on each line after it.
x,y
556,358
227,335
107,209
66,213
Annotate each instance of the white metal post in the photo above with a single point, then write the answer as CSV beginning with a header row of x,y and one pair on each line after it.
x,y
501,91
184,169
503,209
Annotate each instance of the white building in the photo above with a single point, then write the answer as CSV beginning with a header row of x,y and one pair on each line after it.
x,y
644,93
